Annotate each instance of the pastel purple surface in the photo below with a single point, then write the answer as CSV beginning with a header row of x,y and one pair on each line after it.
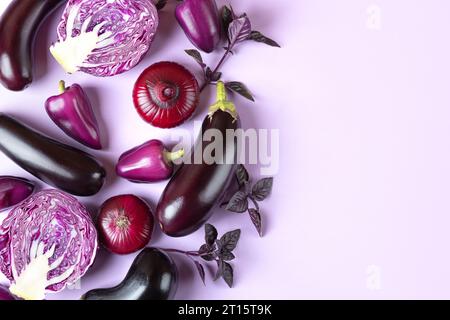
x,y
359,94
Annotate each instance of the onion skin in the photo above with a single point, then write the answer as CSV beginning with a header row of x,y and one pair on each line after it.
x,y
72,112
200,21
166,94
149,162
19,26
5,295
59,165
190,197
14,190
125,224
152,276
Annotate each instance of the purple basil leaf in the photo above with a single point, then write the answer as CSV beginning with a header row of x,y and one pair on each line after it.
x,y
216,76
242,175
201,271
210,234
208,257
226,255
230,239
239,30
255,216
227,273
197,57
204,249
240,88
238,203
261,190
219,270
226,17
259,37
160,4
212,76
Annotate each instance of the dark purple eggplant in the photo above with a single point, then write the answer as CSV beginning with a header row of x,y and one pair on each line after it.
x,y
197,188
19,25
152,276
57,164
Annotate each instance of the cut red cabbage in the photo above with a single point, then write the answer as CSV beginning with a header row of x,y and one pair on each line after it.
x,y
47,242
104,37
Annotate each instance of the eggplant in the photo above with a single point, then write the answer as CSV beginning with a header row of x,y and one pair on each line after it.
x,y
152,276
57,164
192,194
19,25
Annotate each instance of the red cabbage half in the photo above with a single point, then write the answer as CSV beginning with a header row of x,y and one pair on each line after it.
x,y
46,243
104,37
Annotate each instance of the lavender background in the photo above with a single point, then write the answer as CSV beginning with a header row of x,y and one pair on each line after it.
x,y
359,92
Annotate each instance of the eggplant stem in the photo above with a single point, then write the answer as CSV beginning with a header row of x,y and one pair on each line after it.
x,y
62,86
222,102
172,156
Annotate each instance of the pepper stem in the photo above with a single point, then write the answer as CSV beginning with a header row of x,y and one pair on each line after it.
x,y
62,86
172,156
222,102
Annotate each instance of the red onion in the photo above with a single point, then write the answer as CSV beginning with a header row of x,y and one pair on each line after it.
x,y
125,224
166,94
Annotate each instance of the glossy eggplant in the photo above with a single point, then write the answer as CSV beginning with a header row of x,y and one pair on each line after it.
x,y
19,25
197,187
57,164
152,276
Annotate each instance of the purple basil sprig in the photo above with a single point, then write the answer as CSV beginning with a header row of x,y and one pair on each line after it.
x,y
247,193
214,249
238,29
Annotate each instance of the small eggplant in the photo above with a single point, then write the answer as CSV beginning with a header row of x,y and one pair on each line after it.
x,y
197,188
200,21
152,276
72,112
59,165
19,25
14,190
149,162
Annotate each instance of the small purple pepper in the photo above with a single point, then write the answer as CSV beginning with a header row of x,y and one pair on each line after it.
x,y
200,21
149,162
14,190
72,112
5,294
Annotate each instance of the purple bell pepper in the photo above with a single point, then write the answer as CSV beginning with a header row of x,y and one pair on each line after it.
x,y
72,112
200,21
14,190
149,162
